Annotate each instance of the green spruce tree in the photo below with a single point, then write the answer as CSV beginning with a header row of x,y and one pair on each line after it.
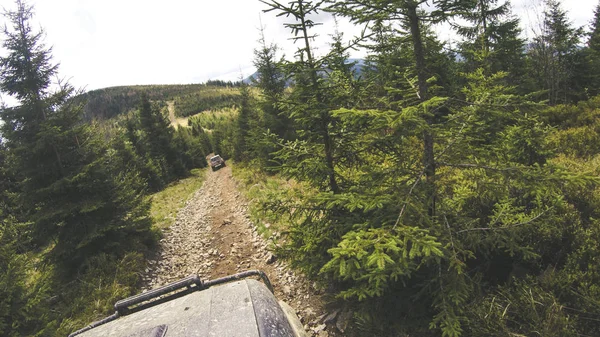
x,y
243,124
189,149
271,82
271,120
307,105
593,56
555,56
150,132
67,188
201,135
494,31
411,16
158,137
341,80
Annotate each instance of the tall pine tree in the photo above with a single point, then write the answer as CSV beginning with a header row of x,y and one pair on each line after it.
x,y
555,56
153,137
410,15
66,184
593,56
492,30
271,82
308,104
243,124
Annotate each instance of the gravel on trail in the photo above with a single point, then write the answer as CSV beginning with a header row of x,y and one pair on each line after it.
x,y
213,236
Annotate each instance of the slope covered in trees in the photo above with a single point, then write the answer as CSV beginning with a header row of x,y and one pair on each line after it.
x,y
189,98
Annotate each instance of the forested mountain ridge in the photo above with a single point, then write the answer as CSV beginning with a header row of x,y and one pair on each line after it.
x,y
189,99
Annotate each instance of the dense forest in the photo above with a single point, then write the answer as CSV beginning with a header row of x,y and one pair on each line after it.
x,y
446,190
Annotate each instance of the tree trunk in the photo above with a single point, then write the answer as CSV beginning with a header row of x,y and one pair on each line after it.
x,y
324,116
428,156
484,35
329,156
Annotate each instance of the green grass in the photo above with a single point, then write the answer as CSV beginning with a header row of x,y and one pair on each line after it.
x,y
263,190
166,203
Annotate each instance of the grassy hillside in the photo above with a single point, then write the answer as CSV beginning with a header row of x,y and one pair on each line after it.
x,y
166,203
208,98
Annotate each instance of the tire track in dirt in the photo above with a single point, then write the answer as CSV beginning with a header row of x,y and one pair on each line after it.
x,y
213,237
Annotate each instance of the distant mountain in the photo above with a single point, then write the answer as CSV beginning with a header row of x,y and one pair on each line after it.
x,y
359,66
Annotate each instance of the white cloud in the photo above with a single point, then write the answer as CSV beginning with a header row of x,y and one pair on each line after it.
x,y
120,42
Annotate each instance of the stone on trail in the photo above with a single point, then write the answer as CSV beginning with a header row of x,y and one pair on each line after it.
x,y
270,258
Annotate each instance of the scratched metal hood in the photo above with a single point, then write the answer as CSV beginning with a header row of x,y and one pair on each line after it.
x,y
243,308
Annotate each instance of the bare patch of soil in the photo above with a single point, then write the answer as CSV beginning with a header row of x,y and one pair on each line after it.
x,y
175,121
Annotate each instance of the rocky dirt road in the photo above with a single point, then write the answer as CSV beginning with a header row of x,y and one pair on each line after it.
x,y
213,237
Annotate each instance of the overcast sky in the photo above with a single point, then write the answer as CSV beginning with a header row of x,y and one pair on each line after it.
x,y
102,43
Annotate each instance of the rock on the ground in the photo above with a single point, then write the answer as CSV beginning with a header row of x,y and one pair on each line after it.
x,y
343,320
270,258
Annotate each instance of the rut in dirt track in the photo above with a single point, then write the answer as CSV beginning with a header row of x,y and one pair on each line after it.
x,y
213,237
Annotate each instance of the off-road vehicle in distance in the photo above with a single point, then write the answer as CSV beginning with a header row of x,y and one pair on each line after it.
x,y
232,306
216,162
